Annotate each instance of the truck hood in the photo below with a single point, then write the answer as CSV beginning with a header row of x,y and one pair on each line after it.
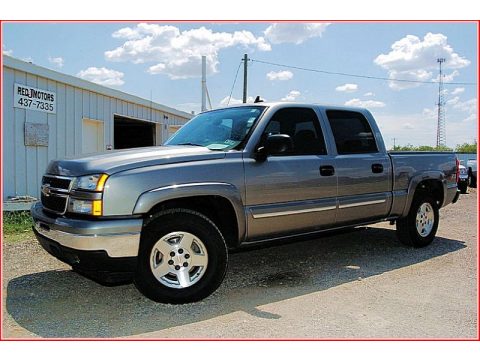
x,y
119,160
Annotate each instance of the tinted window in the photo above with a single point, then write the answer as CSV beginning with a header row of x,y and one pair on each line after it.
x,y
352,132
221,129
302,125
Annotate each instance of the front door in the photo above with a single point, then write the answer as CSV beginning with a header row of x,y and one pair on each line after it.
x,y
293,192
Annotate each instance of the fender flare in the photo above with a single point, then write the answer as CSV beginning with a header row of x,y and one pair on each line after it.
x,y
416,180
149,199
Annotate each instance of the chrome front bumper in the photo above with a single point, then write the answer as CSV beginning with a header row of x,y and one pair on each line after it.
x,y
119,237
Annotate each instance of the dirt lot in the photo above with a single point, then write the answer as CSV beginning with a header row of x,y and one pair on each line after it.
x,y
353,285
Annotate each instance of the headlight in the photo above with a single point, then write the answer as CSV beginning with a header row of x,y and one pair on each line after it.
x,y
90,182
90,207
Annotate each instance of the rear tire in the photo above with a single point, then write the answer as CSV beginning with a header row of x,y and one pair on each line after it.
x,y
463,188
182,257
419,227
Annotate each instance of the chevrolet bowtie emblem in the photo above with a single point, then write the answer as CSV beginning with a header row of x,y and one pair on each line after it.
x,y
46,189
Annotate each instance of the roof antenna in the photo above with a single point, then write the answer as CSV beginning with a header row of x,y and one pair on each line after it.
x,y
258,99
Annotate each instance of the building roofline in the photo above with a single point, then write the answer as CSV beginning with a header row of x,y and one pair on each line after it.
x,y
74,81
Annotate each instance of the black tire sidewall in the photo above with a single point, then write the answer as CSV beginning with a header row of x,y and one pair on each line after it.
x,y
198,225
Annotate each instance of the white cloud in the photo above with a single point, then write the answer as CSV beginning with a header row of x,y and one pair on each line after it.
x,y
469,106
279,75
102,76
348,88
448,77
453,101
470,118
292,95
457,91
189,107
295,33
430,113
410,128
8,52
178,53
412,58
234,101
57,61
369,94
365,103
461,125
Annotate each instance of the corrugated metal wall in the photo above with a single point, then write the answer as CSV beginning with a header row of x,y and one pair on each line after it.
x,y
23,166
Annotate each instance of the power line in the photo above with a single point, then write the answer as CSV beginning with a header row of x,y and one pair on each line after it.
x,y
234,81
357,75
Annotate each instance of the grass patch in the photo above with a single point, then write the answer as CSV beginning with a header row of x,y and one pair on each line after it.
x,y
15,222
17,226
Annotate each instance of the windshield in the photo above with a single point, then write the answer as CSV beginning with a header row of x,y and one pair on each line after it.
x,y
220,129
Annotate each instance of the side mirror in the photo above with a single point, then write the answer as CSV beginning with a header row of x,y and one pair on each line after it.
x,y
275,145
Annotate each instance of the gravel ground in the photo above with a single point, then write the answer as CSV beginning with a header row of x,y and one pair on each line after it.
x,y
361,284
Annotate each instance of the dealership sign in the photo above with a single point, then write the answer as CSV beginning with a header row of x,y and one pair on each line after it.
x,y
26,97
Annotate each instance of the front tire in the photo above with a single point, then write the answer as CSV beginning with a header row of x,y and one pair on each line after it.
x,y
419,227
462,187
182,257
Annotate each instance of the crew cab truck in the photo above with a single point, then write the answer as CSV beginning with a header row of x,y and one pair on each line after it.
x,y
167,216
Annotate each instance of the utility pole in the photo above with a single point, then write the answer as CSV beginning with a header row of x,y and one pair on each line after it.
x,y
245,67
394,144
204,83
441,132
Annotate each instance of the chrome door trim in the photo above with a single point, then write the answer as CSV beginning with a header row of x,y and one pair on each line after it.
x,y
292,212
362,203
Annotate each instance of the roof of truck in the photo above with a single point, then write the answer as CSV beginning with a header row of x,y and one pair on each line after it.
x,y
298,104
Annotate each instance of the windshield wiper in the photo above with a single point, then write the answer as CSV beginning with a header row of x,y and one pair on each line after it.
x,y
191,144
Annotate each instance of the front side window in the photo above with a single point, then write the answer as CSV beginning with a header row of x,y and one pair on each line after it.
x,y
222,129
352,132
302,125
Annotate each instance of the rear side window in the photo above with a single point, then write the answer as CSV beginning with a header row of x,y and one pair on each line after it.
x,y
352,133
303,127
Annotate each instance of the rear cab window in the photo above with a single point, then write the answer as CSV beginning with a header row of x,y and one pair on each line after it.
x,y
352,132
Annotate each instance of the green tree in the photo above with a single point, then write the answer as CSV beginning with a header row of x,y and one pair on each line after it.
x,y
467,148
425,148
442,148
410,147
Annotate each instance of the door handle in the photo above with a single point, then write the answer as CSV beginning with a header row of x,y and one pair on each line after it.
x,y
377,168
327,170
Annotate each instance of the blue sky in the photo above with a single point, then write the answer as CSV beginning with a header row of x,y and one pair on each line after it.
x,y
164,59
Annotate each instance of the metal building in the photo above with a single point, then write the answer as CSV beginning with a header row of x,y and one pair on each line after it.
x,y
49,115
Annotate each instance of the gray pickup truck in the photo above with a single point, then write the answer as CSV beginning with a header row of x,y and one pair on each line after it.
x,y
168,216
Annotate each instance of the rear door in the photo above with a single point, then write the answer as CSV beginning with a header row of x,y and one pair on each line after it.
x,y
289,193
362,166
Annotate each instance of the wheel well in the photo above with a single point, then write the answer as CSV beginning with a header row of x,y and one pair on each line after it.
x,y
216,208
433,188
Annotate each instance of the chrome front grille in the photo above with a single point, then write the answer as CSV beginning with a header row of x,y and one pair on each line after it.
x,y
57,182
55,191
